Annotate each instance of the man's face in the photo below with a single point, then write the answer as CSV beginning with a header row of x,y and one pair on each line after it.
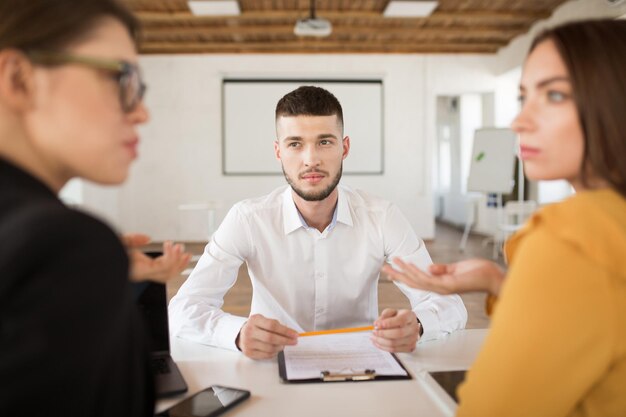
x,y
311,150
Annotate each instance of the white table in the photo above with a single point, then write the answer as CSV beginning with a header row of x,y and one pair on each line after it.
x,y
203,366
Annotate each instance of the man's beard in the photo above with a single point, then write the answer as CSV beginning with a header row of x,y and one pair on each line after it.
x,y
314,196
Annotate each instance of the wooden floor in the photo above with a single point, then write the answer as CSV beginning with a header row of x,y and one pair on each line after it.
x,y
444,248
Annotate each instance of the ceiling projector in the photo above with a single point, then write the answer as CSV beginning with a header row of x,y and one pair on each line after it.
x,y
312,26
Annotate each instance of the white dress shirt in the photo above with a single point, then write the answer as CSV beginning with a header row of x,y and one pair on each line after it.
x,y
306,279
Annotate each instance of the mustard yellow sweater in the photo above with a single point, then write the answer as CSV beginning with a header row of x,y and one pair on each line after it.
x,y
557,344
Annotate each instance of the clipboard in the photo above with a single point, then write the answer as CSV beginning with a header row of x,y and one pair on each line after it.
x,y
327,376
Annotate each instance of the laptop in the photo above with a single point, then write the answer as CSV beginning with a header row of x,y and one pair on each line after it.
x,y
152,302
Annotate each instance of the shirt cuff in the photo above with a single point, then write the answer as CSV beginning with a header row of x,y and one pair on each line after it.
x,y
430,324
227,330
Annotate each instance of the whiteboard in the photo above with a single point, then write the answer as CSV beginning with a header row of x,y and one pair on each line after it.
x,y
492,167
248,127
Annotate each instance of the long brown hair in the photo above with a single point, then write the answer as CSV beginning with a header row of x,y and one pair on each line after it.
x,y
53,24
594,53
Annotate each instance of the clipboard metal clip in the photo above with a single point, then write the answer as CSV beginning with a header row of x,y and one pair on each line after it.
x,y
367,375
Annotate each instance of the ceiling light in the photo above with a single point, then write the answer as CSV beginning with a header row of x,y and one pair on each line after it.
x,y
402,8
214,8
312,26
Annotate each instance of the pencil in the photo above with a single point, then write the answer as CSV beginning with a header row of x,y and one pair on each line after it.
x,y
335,331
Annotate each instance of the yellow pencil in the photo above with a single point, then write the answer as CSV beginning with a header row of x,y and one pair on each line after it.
x,y
335,331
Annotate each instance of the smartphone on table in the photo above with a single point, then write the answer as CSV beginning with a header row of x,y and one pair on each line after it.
x,y
209,402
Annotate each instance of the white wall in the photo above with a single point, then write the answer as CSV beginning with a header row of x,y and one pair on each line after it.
x,y
180,154
72,193
506,97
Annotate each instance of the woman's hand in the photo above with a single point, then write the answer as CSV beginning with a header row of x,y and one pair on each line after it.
x,y
460,277
145,268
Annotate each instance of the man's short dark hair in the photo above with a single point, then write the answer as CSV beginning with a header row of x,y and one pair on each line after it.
x,y
310,101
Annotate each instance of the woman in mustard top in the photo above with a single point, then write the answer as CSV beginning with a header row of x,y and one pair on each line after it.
x,y
557,344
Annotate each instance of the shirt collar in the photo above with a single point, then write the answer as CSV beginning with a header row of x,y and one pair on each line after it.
x,y
344,214
330,227
292,219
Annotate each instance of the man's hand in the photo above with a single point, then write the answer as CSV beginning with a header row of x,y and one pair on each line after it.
x,y
460,277
396,331
143,267
263,338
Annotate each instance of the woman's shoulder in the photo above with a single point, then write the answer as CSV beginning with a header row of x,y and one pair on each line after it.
x,y
588,215
43,231
592,222
51,220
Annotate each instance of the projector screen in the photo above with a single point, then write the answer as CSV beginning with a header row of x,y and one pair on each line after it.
x,y
248,128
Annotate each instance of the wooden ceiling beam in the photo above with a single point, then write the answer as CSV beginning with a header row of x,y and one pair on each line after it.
x,y
158,5
317,47
504,17
188,32
358,27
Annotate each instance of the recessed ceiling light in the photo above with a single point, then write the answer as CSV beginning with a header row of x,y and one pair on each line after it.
x,y
214,8
405,8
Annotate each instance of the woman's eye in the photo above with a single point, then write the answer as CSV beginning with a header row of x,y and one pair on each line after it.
x,y
556,96
521,99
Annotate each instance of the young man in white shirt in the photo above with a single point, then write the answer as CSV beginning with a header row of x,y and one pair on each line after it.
x,y
313,251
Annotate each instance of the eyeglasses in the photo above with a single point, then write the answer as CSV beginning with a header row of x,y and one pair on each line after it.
x,y
128,76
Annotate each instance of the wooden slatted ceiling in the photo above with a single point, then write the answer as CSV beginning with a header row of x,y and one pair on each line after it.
x,y
266,26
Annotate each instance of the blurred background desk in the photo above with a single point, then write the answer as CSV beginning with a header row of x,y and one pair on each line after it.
x,y
203,366
197,220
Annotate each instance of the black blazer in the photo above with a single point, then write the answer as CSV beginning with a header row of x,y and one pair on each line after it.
x,y
71,341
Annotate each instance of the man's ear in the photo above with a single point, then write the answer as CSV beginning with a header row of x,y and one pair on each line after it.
x,y
277,150
16,79
346,147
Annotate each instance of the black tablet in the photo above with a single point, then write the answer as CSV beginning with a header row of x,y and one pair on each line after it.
x,y
449,381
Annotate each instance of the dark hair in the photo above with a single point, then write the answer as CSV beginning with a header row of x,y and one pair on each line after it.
x,y
53,24
309,101
594,53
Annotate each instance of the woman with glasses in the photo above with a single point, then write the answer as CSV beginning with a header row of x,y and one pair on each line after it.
x,y
557,343
70,103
